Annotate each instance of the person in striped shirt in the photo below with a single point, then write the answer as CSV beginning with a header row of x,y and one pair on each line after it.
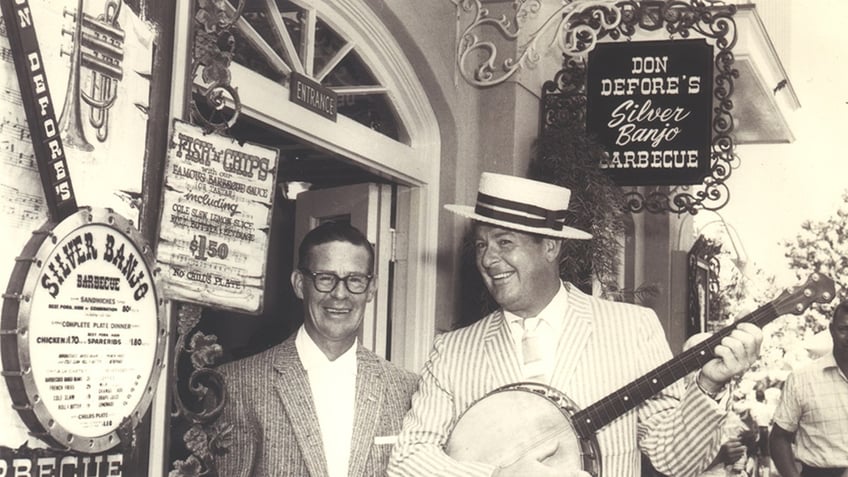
x,y
582,346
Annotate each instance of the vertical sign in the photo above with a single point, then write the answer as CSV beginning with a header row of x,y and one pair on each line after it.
x,y
38,105
650,105
215,224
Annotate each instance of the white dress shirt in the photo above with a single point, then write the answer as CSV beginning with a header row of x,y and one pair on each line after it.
x,y
333,385
548,330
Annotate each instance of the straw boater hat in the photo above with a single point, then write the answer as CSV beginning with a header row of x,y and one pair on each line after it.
x,y
521,204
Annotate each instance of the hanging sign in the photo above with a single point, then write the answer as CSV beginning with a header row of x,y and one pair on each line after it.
x,y
650,105
83,331
216,214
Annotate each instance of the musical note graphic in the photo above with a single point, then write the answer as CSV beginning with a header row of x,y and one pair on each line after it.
x,y
12,96
22,207
15,146
18,159
15,129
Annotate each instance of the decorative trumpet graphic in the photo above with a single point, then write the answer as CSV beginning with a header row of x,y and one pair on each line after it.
x,y
98,46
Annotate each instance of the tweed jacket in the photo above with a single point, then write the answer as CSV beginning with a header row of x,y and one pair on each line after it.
x,y
276,431
604,345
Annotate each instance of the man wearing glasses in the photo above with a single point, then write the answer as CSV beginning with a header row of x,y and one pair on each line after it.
x,y
319,404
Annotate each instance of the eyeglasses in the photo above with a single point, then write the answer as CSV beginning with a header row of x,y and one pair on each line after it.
x,y
325,282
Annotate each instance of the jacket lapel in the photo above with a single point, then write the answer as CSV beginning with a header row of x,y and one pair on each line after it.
x,y
369,401
500,350
577,329
293,388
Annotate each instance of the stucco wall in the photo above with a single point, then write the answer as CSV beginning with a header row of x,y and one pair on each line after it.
x,y
482,129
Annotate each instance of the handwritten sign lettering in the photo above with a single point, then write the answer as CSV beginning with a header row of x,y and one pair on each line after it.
x,y
216,210
649,104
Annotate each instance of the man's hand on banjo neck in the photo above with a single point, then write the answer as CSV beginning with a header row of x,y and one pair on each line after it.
x,y
735,353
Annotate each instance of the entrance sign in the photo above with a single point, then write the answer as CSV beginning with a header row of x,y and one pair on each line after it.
x,y
314,97
650,105
216,215
83,331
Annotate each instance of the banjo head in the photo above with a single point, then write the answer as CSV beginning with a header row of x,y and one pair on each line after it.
x,y
512,421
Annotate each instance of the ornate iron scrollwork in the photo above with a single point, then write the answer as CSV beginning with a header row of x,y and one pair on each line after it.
x,y
572,38
564,98
703,272
216,106
206,437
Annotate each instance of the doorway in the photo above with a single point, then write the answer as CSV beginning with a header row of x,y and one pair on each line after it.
x,y
312,185
344,45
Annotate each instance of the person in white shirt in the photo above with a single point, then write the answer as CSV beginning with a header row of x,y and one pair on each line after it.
x,y
318,404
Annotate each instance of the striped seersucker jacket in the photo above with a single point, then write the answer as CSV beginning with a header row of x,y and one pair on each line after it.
x,y
604,346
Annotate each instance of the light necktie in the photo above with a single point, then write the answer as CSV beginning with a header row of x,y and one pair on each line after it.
x,y
531,349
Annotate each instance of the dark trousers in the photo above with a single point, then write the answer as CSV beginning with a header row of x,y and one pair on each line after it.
x,y
808,471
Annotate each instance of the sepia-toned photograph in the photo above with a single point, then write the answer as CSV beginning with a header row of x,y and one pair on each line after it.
x,y
332,238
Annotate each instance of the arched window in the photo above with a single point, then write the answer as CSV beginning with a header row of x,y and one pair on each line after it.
x,y
279,37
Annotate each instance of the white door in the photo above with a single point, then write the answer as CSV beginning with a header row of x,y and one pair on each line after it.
x,y
368,208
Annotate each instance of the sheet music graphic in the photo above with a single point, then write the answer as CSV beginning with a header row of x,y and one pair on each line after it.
x,y
107,176
23,206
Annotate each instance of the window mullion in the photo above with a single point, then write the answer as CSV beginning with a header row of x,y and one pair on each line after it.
x,y
259,43
307,40
335,60
281,32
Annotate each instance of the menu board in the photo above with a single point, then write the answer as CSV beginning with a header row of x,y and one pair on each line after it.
x,y
216,211
89,328
106,160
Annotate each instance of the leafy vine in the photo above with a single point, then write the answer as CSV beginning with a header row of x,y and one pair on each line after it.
x,y
206,437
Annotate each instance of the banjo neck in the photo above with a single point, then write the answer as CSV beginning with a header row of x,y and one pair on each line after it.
x,y
589,420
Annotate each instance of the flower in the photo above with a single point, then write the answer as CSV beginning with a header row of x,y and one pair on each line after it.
x,y
190,467
205,350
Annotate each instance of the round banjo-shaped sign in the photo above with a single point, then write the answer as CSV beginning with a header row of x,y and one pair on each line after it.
x,y
83,331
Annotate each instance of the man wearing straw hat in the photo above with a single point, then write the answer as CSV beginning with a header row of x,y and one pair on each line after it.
x,y
548,332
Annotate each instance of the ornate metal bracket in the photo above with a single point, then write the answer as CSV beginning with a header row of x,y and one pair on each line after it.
x,y
214,47
564,98
206,437
559,29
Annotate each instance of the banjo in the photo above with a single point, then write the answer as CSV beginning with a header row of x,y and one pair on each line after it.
x,y
514,420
